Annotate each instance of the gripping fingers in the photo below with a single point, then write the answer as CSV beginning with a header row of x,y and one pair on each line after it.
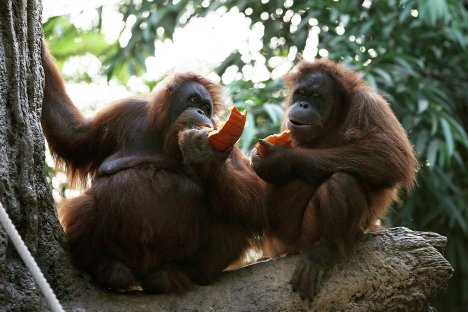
x,y
191,136
317,283
195,146
296,276
307,279
265,143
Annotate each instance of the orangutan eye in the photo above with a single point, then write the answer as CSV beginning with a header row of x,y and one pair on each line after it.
x,y
206,107
193,99
315,96
300,92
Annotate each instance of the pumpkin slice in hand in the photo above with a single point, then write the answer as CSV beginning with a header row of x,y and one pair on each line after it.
x,y
228,132
284,138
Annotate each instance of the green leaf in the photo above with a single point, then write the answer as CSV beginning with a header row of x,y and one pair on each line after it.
x,y
460,133
386,77
456,215
344,20
274,112
448,135
434,124
421,142
405,12
432,153
248,135
423,104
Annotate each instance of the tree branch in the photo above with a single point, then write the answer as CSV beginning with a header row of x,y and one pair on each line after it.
x,y
392,270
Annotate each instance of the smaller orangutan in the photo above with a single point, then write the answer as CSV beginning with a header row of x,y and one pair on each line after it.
x,y
348,158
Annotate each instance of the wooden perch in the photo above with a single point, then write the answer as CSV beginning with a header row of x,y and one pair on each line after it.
x,y
392,270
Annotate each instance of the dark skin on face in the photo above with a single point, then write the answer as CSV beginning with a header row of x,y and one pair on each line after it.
x,y
349,157
193,102
156,213
313,100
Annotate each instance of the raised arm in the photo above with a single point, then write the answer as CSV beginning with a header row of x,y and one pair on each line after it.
x,y
79,143
66,129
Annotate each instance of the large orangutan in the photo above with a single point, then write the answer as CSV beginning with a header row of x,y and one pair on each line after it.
x,y
349,156
164,209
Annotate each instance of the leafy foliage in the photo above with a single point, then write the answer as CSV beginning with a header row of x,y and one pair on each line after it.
x,y
264,113
413,51
66,40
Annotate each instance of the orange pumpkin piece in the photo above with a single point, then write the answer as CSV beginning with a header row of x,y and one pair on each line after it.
x,y
284,138
229,131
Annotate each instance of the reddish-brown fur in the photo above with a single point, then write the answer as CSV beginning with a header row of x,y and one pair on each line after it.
x,y
328,190
151,220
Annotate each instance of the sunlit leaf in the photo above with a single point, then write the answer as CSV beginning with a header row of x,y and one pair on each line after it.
x,y
423,104
432,152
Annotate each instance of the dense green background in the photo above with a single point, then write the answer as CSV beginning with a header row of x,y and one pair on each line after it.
x,y
419,63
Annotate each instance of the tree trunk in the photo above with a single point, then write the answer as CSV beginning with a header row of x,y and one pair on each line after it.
x,y
24,190
395,270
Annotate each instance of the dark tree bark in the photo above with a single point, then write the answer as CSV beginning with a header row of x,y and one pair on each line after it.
x,y
24,191
395,270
